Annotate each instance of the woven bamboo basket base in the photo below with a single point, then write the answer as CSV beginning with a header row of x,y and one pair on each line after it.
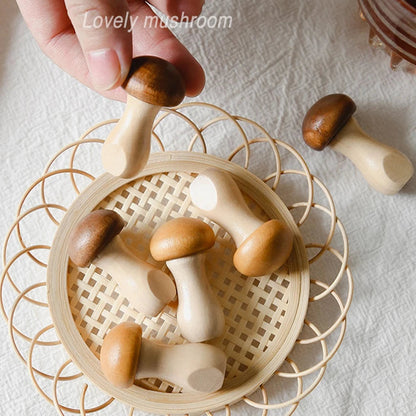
x,y
193,127
263,315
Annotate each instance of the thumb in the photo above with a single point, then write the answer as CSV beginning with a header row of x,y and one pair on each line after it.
x,y
104,37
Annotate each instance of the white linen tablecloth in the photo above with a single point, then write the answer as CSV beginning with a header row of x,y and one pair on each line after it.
x,y
277,58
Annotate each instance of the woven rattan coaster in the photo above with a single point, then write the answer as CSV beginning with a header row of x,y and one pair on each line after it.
x,y
276,355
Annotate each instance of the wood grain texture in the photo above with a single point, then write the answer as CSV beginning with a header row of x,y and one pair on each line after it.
x,y
125,357
151,83
329,122
95,240
120,354
181,237
92,234
325,119
200,316
147,288
216,194
127,147
383,167
261,247
265,250
196,367
155,81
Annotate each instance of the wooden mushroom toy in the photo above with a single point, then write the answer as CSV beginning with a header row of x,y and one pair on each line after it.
x,y
181,242
329,122
151,83
95,239
126,357
262,247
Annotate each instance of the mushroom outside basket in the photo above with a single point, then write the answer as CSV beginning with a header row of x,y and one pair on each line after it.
x,y
280,329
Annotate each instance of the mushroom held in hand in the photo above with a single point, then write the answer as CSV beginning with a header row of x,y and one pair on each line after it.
x,y
329,122
263,247
151,83
126,356
95,239
181,243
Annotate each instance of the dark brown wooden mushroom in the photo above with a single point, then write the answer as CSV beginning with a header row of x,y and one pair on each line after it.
x,y
329,122
96,239
151,83
92,234
155,81
326,118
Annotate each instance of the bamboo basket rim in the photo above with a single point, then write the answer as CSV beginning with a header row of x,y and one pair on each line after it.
x,y
157,402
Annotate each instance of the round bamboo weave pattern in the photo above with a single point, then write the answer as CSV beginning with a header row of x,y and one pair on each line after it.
x,y
70,170
263,316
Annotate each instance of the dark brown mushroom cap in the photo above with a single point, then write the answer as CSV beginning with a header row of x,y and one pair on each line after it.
x,y
181,237
326,118
120,354
155,81
92,234
265,250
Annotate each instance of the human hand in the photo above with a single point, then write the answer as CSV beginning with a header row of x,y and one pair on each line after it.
x,y
100,57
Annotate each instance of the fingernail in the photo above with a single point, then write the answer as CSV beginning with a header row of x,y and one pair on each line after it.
x,y
104,67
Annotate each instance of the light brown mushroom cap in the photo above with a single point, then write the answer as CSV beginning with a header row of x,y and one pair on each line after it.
x,y
155,81
326,118
265,250
120,354
92,234
181,237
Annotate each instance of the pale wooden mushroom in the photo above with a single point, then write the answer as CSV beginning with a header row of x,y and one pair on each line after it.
x,y
151,83
262,247
95,239
181,242
329,122
126,357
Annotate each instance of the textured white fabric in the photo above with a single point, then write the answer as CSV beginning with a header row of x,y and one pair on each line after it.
x,y
278,57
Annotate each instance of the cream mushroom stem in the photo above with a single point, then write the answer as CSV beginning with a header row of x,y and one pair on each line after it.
x,y
194,367
386,169
200,316
126,149
125,357
218,197
147,288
